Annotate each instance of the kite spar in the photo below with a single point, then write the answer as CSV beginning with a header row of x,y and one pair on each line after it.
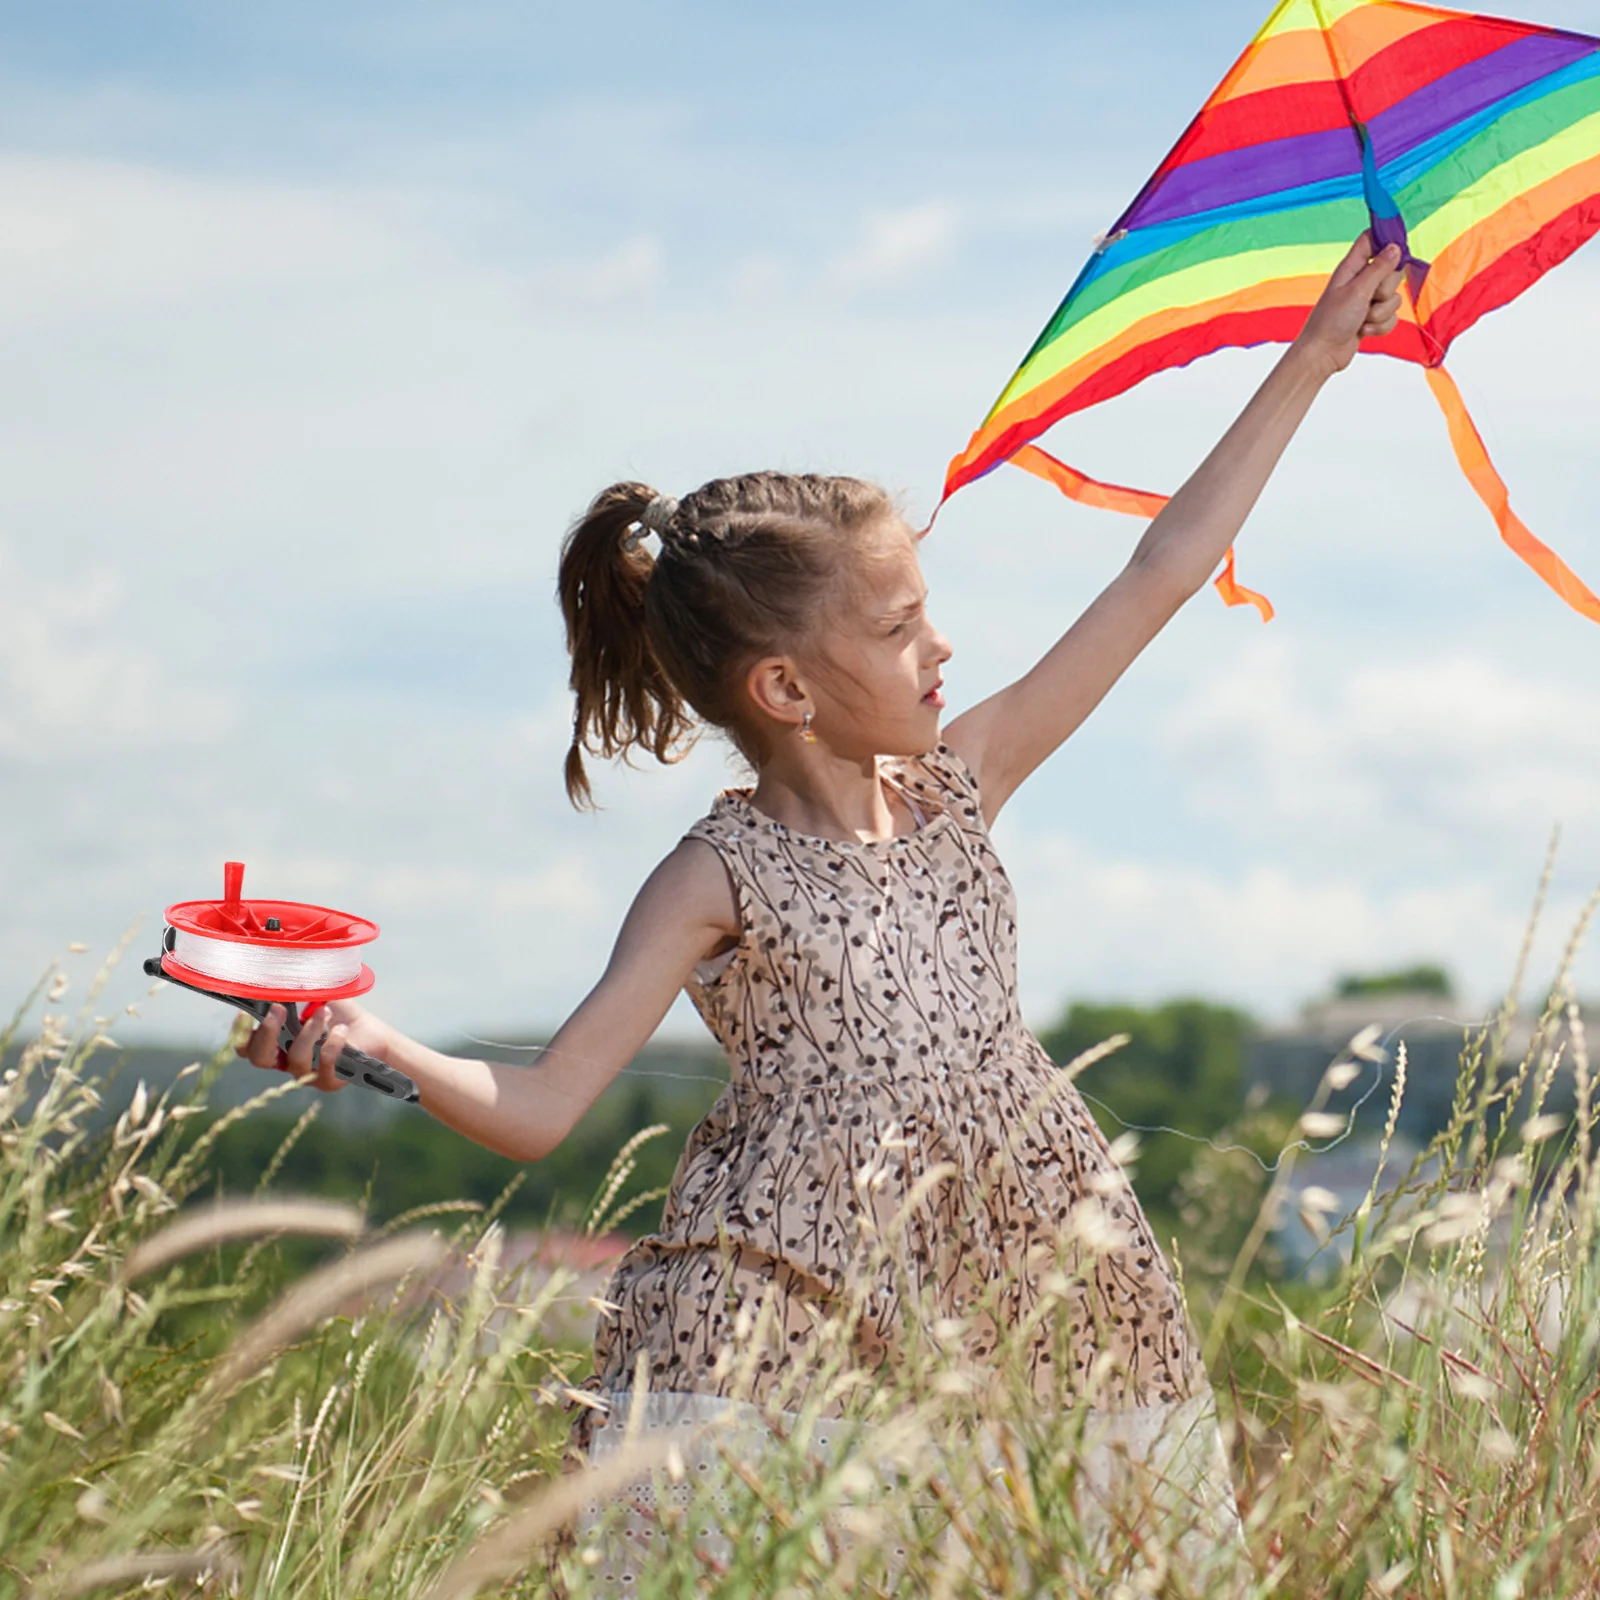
x,y
1471,142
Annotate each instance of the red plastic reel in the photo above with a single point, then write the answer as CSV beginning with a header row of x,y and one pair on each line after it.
x,y
300,926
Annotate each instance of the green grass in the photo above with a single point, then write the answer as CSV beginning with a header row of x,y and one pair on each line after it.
x,y
281,1409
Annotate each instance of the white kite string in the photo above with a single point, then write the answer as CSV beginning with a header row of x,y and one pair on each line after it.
x,y
1130,1127
266,966
1300,1144
630,1071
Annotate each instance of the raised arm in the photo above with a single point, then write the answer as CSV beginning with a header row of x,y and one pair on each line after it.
x,y
684,912
1004,738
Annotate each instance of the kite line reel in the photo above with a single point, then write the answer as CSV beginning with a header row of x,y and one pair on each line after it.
x,y
256,953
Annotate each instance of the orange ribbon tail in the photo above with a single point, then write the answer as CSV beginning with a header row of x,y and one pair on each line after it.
x,y
1085,490
1134,503
1491,489
1234,593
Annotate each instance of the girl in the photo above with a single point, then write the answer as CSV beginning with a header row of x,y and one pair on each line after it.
x,y
846,931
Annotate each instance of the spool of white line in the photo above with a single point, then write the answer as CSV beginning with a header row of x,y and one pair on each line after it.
x,y
302,970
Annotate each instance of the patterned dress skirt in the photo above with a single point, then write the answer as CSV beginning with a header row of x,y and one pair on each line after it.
x,y
893,1145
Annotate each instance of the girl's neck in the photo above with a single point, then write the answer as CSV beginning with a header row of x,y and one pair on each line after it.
x,y
830,797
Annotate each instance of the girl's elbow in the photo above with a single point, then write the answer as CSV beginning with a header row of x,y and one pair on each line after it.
x,y
535,1145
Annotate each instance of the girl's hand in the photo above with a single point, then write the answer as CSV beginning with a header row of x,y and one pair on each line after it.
x,y
336,1024
1362,301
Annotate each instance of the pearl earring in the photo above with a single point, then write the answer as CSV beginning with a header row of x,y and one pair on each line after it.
x,y
805,729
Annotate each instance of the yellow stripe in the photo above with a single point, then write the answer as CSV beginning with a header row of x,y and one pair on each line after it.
x,y
1209,280
1303,14
1501,185
1297,15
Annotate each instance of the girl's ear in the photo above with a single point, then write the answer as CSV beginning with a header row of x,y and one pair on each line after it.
x,y
773,684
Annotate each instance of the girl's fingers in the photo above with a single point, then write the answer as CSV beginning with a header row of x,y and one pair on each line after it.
x,y
300,1052
332,1045
261,1048
1355,261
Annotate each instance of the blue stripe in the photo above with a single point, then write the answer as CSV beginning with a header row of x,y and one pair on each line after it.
x,y
1141,242
1404,170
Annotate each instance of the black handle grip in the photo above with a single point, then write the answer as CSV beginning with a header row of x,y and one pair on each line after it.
x,y
354,1066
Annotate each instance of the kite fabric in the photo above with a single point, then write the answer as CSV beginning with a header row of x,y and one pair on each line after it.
x,y
1471,142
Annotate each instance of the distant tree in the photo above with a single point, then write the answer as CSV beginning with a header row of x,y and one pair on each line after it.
x,y
1425,978
1183,1068
417,1161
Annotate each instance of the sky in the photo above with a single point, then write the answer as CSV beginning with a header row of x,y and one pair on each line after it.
x,y
318,325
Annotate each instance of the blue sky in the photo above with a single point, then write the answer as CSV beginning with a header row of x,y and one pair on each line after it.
x,y
319,323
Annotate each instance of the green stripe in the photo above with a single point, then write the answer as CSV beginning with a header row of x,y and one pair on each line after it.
x,y
1325,223
1506,182
1503,140
1196,283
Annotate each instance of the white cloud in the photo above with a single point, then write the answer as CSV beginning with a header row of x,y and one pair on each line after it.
x,y
87,238
1388,753
895,246
1256,933
631,271
76,679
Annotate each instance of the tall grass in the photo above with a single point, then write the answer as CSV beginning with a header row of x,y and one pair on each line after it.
x,y
193,1403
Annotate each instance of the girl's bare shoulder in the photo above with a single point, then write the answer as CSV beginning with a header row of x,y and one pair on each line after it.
x,y
691,886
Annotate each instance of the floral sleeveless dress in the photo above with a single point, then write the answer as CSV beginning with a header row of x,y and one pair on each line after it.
x,y
869,1015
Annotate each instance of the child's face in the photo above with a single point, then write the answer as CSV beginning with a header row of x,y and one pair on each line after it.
x,y
877,678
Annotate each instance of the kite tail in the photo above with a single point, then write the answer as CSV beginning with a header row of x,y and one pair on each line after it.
x,y
1491,489
1134,503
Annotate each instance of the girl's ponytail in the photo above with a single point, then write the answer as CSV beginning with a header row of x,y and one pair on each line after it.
x,y
623,696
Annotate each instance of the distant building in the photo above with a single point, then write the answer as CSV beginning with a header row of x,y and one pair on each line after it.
x,y
1315,1243
1288,1062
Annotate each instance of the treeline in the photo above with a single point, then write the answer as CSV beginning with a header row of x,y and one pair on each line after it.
x,y
1183,1068
409,1160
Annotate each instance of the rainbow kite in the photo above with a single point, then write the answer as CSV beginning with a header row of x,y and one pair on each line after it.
x,y
1471,142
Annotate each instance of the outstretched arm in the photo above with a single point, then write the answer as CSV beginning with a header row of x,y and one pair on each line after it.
x,y
684,912
1004,738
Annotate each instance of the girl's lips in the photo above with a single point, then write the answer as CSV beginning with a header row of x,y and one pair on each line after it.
x,y
935,697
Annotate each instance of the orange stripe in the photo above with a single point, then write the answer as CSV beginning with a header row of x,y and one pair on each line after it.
x,y
1270,296
1491,489
1285,58
1301,55
1367,31
1086,490
1481,245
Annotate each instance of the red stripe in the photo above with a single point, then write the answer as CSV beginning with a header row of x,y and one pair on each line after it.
x,y
1519,268
1173,350
1252,119
1279,325
1420,58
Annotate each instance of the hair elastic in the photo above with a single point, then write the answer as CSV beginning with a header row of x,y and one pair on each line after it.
x,y
655,518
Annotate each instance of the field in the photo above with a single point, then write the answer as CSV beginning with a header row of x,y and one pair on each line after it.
x,y
268,1395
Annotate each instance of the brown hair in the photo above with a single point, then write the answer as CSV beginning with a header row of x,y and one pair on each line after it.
x,y
746,568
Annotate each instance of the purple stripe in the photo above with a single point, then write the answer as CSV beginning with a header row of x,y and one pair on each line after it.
x,y
1429,111
1237,176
